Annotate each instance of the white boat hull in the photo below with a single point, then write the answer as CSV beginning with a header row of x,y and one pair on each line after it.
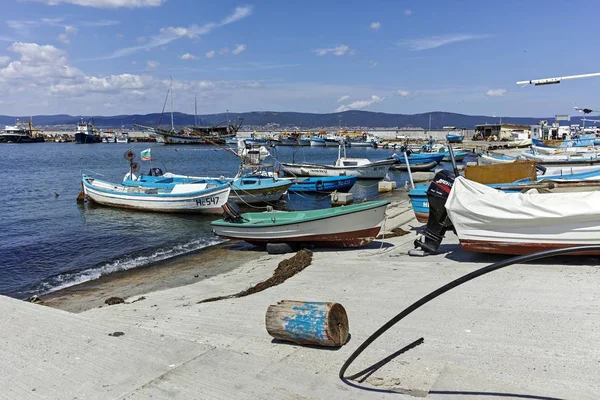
x,y
493,160
375,170
105,193
352,230
491,221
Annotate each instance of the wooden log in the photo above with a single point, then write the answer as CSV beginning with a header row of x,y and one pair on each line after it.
x,y
315,323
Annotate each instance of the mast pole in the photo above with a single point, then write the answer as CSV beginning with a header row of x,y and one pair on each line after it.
x,y
171,90
195,112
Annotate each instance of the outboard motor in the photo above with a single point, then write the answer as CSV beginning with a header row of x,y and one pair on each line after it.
x,y
155,172
438,222
231,212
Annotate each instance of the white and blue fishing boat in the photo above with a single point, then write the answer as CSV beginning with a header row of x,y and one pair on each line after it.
x,y
488,158
587,158
419,158
200,197
246,189
455,138
318,141
324,184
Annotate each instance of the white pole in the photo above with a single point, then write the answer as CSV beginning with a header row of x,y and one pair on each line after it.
x,y
550,81
171,89
412,183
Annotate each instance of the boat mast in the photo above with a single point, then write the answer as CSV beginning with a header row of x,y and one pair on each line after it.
x,y
171,90
195,112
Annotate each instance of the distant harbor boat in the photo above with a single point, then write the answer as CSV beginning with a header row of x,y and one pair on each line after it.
x,y
20,133
86,133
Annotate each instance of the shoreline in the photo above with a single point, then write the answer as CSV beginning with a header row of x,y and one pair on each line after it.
x,y
179,271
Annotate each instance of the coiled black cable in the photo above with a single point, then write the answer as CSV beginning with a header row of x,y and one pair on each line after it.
x,y
426,299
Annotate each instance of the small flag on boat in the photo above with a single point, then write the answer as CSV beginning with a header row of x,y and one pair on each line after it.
x,y
146,155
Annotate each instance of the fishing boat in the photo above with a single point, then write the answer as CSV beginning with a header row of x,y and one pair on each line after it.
x,y
123,137
588,158
491,221
363,168
459,155
323,184
489,158
253,184
552,180
416,167
419,158
201,197
20,133
86,133
304,142
455,138
193,135
318,141
347,226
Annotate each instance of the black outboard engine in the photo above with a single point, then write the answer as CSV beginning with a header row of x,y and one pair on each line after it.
x,y
438,222
155,172
231,212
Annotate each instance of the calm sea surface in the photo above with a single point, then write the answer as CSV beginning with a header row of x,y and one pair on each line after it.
x,y
48,241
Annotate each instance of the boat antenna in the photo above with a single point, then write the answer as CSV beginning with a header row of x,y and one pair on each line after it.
x,y
171,90
195,112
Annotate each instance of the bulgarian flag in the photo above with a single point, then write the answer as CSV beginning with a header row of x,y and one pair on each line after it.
x,y
146,155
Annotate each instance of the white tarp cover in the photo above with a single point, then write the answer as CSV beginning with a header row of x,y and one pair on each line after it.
x,y
479,212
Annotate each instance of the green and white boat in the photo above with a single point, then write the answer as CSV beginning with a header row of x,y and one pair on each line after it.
x,y
347,226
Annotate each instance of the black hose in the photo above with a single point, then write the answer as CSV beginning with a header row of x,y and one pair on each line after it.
x,y
426,299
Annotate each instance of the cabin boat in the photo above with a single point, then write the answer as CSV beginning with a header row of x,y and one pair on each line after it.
x,y
86,133
20,133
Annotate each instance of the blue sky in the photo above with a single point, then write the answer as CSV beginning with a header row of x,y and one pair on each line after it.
x,y
108,57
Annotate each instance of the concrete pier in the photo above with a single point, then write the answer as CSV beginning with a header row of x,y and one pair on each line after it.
x,y
525,332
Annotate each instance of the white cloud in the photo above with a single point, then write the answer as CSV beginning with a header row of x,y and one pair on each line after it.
x,y
343,98
372,64
360,104
151,65
140,39
210,54
375,25
402,93
4,60
65,37
188,56
336,51
496,92
224,51
171,33
107,3
238,14
408,12
239,48
437,41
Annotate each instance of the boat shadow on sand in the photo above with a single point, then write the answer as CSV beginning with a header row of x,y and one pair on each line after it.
x,y
455,253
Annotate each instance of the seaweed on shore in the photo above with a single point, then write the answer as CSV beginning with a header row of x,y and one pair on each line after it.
x,y
285,270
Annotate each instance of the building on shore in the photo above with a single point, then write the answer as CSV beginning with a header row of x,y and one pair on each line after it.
x,y
501,131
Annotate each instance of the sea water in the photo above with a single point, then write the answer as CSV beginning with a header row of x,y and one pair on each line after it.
x,y
49,241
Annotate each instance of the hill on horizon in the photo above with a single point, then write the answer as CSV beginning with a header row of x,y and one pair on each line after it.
x,y
294,120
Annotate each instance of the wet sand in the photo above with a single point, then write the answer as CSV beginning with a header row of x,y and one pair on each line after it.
x,y
176,272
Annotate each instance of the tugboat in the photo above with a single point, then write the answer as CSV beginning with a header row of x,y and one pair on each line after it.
x,y
86,133
20,133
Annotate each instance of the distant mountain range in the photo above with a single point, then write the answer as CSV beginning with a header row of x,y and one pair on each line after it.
x,y
277,120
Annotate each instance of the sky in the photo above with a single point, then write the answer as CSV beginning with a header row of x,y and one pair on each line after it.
x,y
112,57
